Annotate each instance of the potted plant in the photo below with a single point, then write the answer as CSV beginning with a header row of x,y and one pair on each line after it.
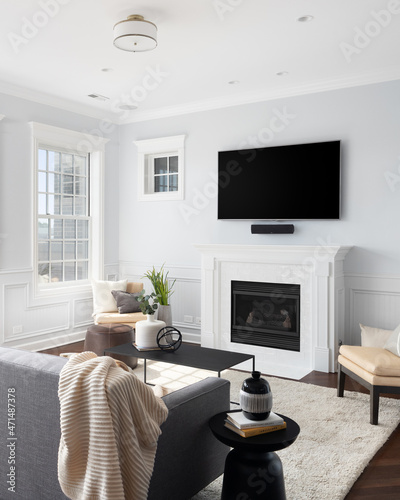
x,y
163,290
146,331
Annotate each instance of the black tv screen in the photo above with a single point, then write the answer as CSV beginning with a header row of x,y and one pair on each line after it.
x,y
293,182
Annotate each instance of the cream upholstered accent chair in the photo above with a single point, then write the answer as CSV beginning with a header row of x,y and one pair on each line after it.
x,y
375,365
113,302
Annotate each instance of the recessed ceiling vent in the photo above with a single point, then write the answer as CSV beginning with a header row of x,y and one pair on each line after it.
x,y
98,97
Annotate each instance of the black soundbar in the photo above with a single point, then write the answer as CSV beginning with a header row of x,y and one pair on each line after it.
x,y
272,229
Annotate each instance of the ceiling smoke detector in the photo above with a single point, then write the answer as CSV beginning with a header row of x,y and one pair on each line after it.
x,y
135,34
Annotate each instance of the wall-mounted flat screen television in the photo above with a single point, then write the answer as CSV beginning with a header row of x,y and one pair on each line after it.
x,y
294,182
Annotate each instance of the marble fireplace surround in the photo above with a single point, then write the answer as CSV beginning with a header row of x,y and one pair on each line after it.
x,y
319,272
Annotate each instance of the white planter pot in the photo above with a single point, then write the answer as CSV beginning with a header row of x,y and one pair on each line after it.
x,y
146,332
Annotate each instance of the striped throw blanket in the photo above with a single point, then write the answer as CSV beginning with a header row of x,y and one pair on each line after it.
x,y
110,424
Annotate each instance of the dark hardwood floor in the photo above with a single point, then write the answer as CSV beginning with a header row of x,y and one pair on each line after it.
x,y
381,478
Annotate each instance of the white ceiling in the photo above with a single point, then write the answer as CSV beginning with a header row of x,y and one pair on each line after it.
x,y
202,45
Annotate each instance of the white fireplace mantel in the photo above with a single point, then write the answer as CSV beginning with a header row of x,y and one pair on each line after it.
x,y
319,272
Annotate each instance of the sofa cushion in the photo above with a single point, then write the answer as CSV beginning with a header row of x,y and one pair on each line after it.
x,y
374,360
119,318
374,337
103,301
393,342
126,302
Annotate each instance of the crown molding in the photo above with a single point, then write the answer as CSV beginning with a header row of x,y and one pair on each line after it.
x,y
369,78
266,95
57,102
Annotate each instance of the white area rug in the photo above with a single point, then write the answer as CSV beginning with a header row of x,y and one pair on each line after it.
x,y
336,440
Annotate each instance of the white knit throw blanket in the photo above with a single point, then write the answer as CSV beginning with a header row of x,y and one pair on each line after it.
x,y
110,424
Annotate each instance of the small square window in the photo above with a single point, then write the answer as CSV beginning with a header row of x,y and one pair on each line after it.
x,y
161,168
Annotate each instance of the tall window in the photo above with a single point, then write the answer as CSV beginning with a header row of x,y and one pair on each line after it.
x,y
63,228
68,208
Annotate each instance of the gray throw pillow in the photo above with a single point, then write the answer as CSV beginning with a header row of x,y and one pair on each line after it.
x,y
126,302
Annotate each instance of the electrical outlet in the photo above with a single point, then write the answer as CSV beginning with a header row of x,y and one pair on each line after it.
x,y
18,329
198,320
187,318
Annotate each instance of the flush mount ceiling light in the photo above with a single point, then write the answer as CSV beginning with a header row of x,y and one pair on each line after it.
x,y
135,34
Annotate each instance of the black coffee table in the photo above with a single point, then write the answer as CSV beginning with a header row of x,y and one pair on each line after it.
x,y
253,469
187,355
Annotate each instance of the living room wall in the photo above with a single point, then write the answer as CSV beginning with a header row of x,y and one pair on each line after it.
x,y
366,119
27,320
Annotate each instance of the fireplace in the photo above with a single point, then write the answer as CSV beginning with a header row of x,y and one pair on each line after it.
x,y
266,314
319,272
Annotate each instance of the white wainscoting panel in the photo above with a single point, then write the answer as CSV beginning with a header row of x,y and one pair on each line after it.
x,y
22,321
373,301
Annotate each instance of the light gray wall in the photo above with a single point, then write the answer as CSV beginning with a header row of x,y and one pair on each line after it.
x,y
367,121
26,320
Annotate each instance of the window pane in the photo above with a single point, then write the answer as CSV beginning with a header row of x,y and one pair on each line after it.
x,y
82,249
66,163
69,271
43,271
56,229
42,204
42,159
80,165
83,273
173,182
80,186
54,161
160,165
83,229
68,184
42,187
57,205
56,250
67,202
54,183
80,205
160,183
173,164
43,250
69,229
43,229
57,272
69,250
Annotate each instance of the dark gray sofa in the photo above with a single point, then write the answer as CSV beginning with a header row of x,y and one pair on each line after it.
x,y
188,455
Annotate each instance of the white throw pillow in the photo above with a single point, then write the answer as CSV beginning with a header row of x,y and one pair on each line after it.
x,y
103,301
393,342
374,337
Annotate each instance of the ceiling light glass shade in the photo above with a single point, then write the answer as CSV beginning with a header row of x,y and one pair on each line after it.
x,y
135,34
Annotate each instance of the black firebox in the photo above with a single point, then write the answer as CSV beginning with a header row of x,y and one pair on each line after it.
x,y
266,314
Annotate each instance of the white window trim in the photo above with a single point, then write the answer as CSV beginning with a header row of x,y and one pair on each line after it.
x,y
167,145
81,143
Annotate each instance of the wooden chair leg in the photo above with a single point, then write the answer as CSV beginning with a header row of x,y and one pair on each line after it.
x,y
341,380
374,405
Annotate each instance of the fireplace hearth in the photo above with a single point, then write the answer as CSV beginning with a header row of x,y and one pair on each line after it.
x,y
266,314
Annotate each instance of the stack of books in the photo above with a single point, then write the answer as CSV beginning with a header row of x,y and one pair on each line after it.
x,y
237,422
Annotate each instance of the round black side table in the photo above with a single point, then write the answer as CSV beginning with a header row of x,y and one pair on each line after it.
x,y
252,469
